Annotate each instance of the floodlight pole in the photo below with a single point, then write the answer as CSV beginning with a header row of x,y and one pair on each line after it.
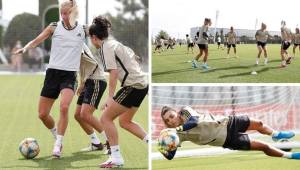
x,y
217,16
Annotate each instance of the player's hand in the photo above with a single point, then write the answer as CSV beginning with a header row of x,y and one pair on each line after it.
x,y
79,90
162,151
20,51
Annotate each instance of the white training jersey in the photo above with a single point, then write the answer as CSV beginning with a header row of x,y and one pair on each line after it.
x,y
115,55
286,34
219,39
211,130
66,47
297,38
262,35
90,67
202,39
188,40
231,37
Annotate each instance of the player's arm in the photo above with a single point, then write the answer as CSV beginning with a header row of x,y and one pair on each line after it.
x,y
167,154
189,124
39,39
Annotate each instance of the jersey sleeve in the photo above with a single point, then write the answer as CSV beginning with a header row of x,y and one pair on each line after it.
x,y
109,57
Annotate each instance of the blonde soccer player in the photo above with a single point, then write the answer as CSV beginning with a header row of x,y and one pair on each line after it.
x,y
225,131
261,37
90,91
202,43
121,63
231,42
296,39
286,39
68,37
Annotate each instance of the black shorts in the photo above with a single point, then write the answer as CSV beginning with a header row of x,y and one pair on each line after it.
x,y
202,46
285,45
56,80
295,44
92,92
219,43
236,138
191,45
130,97
229,45
262,44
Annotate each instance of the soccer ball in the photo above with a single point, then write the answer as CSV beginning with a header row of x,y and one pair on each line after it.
x,y
29,148
168,140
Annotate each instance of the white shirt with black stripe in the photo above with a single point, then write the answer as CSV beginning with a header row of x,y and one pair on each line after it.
x,y
66,47
115,55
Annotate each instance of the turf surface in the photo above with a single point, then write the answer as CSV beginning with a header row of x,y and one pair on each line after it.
x,y
174,66
19,119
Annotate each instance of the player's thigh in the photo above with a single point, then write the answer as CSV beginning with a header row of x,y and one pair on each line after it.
x,y
45,105
66,97
87,109
254,124
113,110
128,115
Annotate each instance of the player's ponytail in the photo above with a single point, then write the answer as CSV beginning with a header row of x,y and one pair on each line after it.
x,y
100,28
73,13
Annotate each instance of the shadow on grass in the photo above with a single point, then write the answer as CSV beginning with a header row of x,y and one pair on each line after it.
x,y
173,71
65,162
249,72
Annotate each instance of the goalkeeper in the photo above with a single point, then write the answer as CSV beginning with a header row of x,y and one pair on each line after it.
x,y
225,131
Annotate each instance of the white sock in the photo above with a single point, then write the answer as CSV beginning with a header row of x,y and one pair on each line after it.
x,y
287,155
115,151
59,140
94,138
266,60
274,133
54,132
283,63
146,139
257,61
104,136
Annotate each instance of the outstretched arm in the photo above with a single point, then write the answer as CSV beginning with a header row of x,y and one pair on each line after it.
x,y
189,124
167,154
39,39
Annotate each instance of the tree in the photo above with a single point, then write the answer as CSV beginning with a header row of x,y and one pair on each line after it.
x,y
23,27
130,26
162,35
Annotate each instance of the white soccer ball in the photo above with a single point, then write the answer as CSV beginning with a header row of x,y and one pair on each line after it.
x,y
168,140
29,148
254,73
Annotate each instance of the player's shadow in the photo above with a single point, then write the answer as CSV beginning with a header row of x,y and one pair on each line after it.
x,y
249,72
65,162
229,68
172,71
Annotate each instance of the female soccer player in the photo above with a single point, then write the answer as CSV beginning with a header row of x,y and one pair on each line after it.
x,y
261,37
225,131
189,43
120,62
67,40
231,41
91,88
296,39
286,36
203,44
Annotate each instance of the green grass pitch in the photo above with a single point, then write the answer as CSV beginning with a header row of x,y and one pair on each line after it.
x,y
19,119
172,66
243,160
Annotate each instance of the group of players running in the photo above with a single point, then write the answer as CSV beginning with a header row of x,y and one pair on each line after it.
x,y
203,38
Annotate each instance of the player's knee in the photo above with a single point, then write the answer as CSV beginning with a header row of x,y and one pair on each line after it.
x,y
84,116
124,124
260,123
42,114
64,108
77,116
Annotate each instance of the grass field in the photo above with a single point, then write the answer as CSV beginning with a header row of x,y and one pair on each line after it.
x,y
244,160
19,119
172,66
